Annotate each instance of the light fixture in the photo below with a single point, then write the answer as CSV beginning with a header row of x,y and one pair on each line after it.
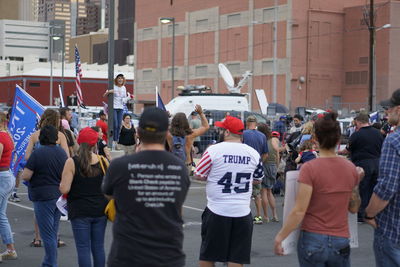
x,y
166,20
55,38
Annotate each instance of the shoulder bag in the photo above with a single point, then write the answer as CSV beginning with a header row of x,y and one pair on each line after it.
x,y
109,211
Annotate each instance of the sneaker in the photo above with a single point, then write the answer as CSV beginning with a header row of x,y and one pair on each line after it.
x,y
257,220
15,198
274,219
9,255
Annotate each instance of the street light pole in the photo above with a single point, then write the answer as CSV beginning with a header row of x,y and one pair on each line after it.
x,y
62,65
274,78
111,59
166,21
173,60
372,33
51,65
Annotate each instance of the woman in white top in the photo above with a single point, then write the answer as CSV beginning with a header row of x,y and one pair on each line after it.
x,y
120,98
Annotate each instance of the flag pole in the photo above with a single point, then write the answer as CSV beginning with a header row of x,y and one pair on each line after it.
x,y
156,96
61,96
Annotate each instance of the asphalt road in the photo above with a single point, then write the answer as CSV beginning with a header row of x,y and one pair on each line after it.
x,y
20,216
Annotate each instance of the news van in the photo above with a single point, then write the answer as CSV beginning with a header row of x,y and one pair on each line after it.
x,y
192,95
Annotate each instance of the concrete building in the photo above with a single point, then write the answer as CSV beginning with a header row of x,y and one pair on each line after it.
x,y
50,10
296,50
24,40
356,53
80,17
97,51
18,9
85,45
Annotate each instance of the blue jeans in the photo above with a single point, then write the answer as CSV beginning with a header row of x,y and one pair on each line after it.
x,y
89,239
7,183
118,114
319,250
48,218
387,253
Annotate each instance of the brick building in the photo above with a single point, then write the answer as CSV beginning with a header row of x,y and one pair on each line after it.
x,y
309,49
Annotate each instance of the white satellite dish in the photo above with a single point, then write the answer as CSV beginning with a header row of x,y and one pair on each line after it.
x,y
228,79
226,75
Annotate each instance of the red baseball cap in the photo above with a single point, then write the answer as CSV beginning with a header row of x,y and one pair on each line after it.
x,y
233,124
88,135
275,134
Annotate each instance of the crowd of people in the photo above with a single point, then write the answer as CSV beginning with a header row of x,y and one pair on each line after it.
x,y
149,184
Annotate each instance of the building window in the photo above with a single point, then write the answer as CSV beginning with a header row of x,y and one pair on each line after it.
x,y
34,84
234,19
170,28
356,77
201,71
201,24
148,33
234,68
147,75
364,77
267,66
268,14
363,60
170,72
349,78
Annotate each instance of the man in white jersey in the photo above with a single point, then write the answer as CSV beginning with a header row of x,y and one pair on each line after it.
x,y
229,168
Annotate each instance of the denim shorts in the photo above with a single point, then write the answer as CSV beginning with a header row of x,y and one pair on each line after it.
x,y
318,250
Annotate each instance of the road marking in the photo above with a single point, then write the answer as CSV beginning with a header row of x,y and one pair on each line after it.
x,y
192,208
197,187
29,208
21,206
191,223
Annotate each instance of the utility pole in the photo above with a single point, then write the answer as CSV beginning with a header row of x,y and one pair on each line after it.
x,y
173,60
275,48
51,64
372,32
111,72
62,62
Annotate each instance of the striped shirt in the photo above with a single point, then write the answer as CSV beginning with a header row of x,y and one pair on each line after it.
x,y
388,188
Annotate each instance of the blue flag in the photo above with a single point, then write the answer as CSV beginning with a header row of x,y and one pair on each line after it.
x,y
160,103
374,117
25,115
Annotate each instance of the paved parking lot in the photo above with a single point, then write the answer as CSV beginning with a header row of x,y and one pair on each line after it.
x,y
20,215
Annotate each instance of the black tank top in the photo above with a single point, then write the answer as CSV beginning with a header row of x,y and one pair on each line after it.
x,y
85,199
127,136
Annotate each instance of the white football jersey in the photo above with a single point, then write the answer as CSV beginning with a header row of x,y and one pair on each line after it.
x,y
229,169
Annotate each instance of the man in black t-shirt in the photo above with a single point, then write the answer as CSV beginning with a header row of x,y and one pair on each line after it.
x,y
149,189
365,150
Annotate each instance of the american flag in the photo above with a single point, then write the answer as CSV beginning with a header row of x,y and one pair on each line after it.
x,y
78,72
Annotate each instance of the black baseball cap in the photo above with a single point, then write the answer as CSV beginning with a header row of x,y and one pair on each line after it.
x,y
393,101
154,120
101,113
